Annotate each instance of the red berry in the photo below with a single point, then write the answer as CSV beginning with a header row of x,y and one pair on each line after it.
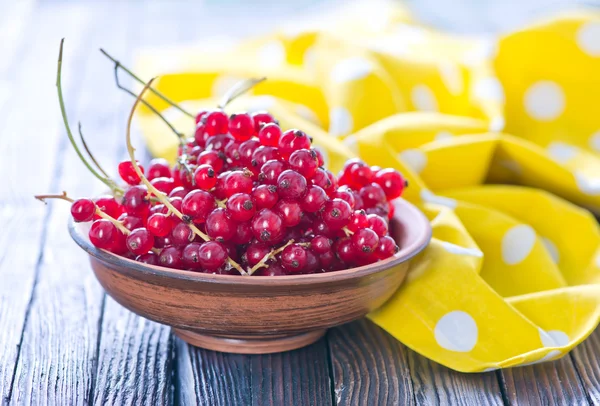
x,y
274,269
255,253
181,234
190,256
321,244
360,174
336,213
293,258
159,225
220,226
109,205
313,263
163,184
270,171
293,140
179,191
201,114
131,222
304,162
102,233
386,248
320,158
269,135
219,142
83,210
267,226
344,250
290,212
205,177
237,182
241,126
140,241
291,185
246,150
135,200
391,181
314,199
128,173
216,122
170,257
240,207
243,234
322,179
158,168
262,118
197,205
372,195
118,245
149,258
345,194
263,154
212,158
378,224
320,227
265,196
391,209
358,221
212,255
365,242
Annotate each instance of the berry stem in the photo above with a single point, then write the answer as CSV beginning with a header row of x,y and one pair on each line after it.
x,y
151,187
263,262
239,89
347,231
89,152
106,180
118,64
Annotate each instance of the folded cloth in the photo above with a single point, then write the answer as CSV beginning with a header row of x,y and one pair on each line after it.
x,y
512,275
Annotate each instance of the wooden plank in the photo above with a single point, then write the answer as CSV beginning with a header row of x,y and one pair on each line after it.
x,y
586,358
555,383
369,366
435,384
300,377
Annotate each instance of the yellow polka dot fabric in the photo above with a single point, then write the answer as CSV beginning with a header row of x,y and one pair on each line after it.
x,y
500,140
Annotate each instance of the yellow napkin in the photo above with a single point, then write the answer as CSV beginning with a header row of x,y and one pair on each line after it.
x,y
512,275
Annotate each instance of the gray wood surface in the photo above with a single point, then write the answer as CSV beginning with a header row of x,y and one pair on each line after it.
x,y
62,341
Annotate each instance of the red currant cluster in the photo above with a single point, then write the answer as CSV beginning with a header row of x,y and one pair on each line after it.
x,y
246,193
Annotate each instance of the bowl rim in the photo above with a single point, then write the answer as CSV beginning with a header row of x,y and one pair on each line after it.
x,y
404,254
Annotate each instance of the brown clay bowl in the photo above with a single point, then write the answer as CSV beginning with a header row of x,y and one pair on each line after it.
x,y
257,314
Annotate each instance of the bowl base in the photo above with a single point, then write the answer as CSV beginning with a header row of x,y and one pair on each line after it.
x,y
249,344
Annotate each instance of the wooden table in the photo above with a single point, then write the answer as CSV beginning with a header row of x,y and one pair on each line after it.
x,y
63,341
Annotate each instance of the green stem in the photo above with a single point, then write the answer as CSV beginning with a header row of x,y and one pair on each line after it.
x,y
89,152
239,89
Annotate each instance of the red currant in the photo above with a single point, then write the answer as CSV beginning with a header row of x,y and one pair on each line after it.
x,y
216,122
240,207
159,225
158,168
293,258
372,195
197,205
344,250
314,199
304,162
83,210
267,226
270,171
255,253
262,118
102,233
171,257
205,177
265,196
220,226
163,184
319,154
212,255
179,191
243,234
237,182
320,244
269,135
313,263
291,185
215,159
293,140
246,150
263,154
290,212
140,241
181,234
149,258
321,178
241,126
201,114
190,256
219,142
391,181
365,242
386,248
135,200
130,222
336,213
109,205
378,224
128,173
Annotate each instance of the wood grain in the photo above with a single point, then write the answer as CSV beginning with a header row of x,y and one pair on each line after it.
x,y
586,358
369,366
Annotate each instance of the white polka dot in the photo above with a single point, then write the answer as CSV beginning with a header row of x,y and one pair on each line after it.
x,y
272,54
552,250
222,84
414,158
481,52
588,38
458,250
553,338
324,153
307,114
588,185
489,89
452,77
340,121
595,141
423,98
351,69
429,197
562,152
544,100
410,34
443,135
352,143
456,331
551,355
517,243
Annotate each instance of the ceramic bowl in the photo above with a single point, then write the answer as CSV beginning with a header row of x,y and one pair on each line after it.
x,y
257,314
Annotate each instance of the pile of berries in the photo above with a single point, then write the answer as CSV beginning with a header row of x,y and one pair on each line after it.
x,y
247,197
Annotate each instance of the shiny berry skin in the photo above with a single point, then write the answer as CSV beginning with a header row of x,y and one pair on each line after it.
x,y
158,168
386,248
219,142
140,241
372,195
290,212
365,242
293,258
170,257
149,258
321,178
212,255
237,182
135,200
219,226
274,269
358,220
197,205
255,253
327,259
391,209
109,205
304,162
205,177
241,126
313,263
320,244
83,210
378,224
270,171
118,245
320,157
243,234
232,153
263,154
131,222
358,201
314,199
163,184
391,181
344,193
293,140
269,135
246,150
201,114
179,191
216,122
262,118
360,174
291,185
344,250
128,173
267,226
212,158
265,196
240,207
336,213
102,233
181,234
320,227
190,256
159,225
183,176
